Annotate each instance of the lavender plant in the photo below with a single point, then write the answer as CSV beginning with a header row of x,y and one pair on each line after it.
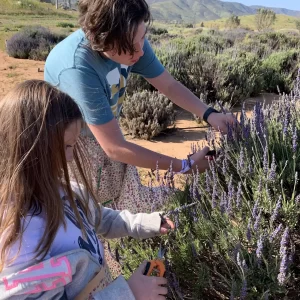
x,y
237,226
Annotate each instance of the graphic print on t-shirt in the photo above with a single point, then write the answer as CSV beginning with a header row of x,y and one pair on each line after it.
x,y
117,79
91,244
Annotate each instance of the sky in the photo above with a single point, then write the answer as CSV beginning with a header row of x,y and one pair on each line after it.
x,y
290,4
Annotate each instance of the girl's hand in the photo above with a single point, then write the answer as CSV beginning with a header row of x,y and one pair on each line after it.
x,y
147,287
167,226
200,160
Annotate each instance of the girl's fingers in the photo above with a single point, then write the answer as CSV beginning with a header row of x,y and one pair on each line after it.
x,y
161,290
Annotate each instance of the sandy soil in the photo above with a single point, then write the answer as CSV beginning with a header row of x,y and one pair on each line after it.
x,y
176,142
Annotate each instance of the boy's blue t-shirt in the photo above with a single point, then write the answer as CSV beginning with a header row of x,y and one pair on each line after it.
x,y
97,84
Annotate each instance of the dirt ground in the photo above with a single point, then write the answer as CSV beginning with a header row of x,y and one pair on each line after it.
x,y
176,143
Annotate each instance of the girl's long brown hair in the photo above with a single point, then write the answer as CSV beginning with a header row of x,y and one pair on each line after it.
x,y
33,119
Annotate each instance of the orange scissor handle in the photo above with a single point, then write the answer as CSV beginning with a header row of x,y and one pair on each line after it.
x,y
156,265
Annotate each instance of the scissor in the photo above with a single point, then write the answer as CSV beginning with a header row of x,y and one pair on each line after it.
x,y
156,265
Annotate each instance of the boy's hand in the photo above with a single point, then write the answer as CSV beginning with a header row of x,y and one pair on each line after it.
x,y
147,287
220,121
166,226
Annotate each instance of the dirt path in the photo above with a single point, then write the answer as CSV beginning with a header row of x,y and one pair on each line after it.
x,y
13,71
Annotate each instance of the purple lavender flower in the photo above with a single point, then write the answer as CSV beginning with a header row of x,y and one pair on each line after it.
x,y
276,210
258,119
290,259
257,221
272,174
254,161
176,220
259,249
295,140
259,189
266,296
244,290
284,242
239,196
229,206
214,195
242,159
275,232
157,173
283,269
223,203
266,161
243,112
229,132
208,181
213,171
225,166
285,127
191,189
284,257
297,199
250,168
230,189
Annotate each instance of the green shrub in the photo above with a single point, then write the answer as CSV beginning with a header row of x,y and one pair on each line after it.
x,y
279,69
230,77
157,30
264,18
65,25
189,25
230,65
174,59
209,43
32,43
202,68
278,41
147,114
233,21
238,76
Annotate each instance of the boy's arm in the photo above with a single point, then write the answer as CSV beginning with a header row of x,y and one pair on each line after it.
x,y
116,224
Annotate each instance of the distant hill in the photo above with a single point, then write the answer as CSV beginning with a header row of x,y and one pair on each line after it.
x,y
188,11
203,10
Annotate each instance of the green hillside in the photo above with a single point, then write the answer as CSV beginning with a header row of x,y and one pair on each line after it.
x,y
196,10
31,7
188,11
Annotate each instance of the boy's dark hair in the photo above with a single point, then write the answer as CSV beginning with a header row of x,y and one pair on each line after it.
x,y
112,24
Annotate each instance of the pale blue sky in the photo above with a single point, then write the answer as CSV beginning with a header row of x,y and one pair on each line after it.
x,y
290,4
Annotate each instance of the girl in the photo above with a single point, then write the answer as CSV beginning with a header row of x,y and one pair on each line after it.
x,y
49,247
93,65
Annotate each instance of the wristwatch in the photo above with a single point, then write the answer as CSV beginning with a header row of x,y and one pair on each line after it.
x,y
207,113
